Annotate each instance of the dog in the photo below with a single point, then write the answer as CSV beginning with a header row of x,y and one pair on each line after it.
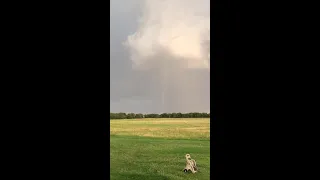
x,y
190,164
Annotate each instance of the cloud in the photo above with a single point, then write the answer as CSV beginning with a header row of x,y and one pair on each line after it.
x,y
169,53
179,27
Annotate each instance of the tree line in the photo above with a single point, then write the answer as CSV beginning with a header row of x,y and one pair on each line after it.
x,y
163,115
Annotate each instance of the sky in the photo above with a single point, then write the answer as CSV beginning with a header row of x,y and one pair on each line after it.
x,y
159,56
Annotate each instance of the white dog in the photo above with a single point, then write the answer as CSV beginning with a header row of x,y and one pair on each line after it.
x,y
190,164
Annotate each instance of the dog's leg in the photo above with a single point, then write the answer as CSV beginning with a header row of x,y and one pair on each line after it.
x,y
195,168
192,170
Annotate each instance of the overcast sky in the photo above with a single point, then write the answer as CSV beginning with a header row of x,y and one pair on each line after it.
x,y
159,56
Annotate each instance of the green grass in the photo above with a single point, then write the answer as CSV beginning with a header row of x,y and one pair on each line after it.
x,y
154,149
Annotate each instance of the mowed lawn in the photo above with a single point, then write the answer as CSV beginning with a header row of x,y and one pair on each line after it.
x,y
155,148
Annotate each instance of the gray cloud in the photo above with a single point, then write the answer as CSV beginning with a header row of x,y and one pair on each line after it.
x,y
159,64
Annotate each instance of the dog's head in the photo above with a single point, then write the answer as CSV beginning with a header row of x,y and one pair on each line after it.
x,y
188,156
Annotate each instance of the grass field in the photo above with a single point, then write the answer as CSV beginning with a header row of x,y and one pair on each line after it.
x,y
155,148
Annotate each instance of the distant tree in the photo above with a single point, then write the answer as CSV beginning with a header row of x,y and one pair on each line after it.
x,y
112,116
163,115
122,115
197,115
173,115
183,115
139,116
131,116
152,116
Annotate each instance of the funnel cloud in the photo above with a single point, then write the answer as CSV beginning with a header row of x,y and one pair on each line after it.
x,y
160,56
